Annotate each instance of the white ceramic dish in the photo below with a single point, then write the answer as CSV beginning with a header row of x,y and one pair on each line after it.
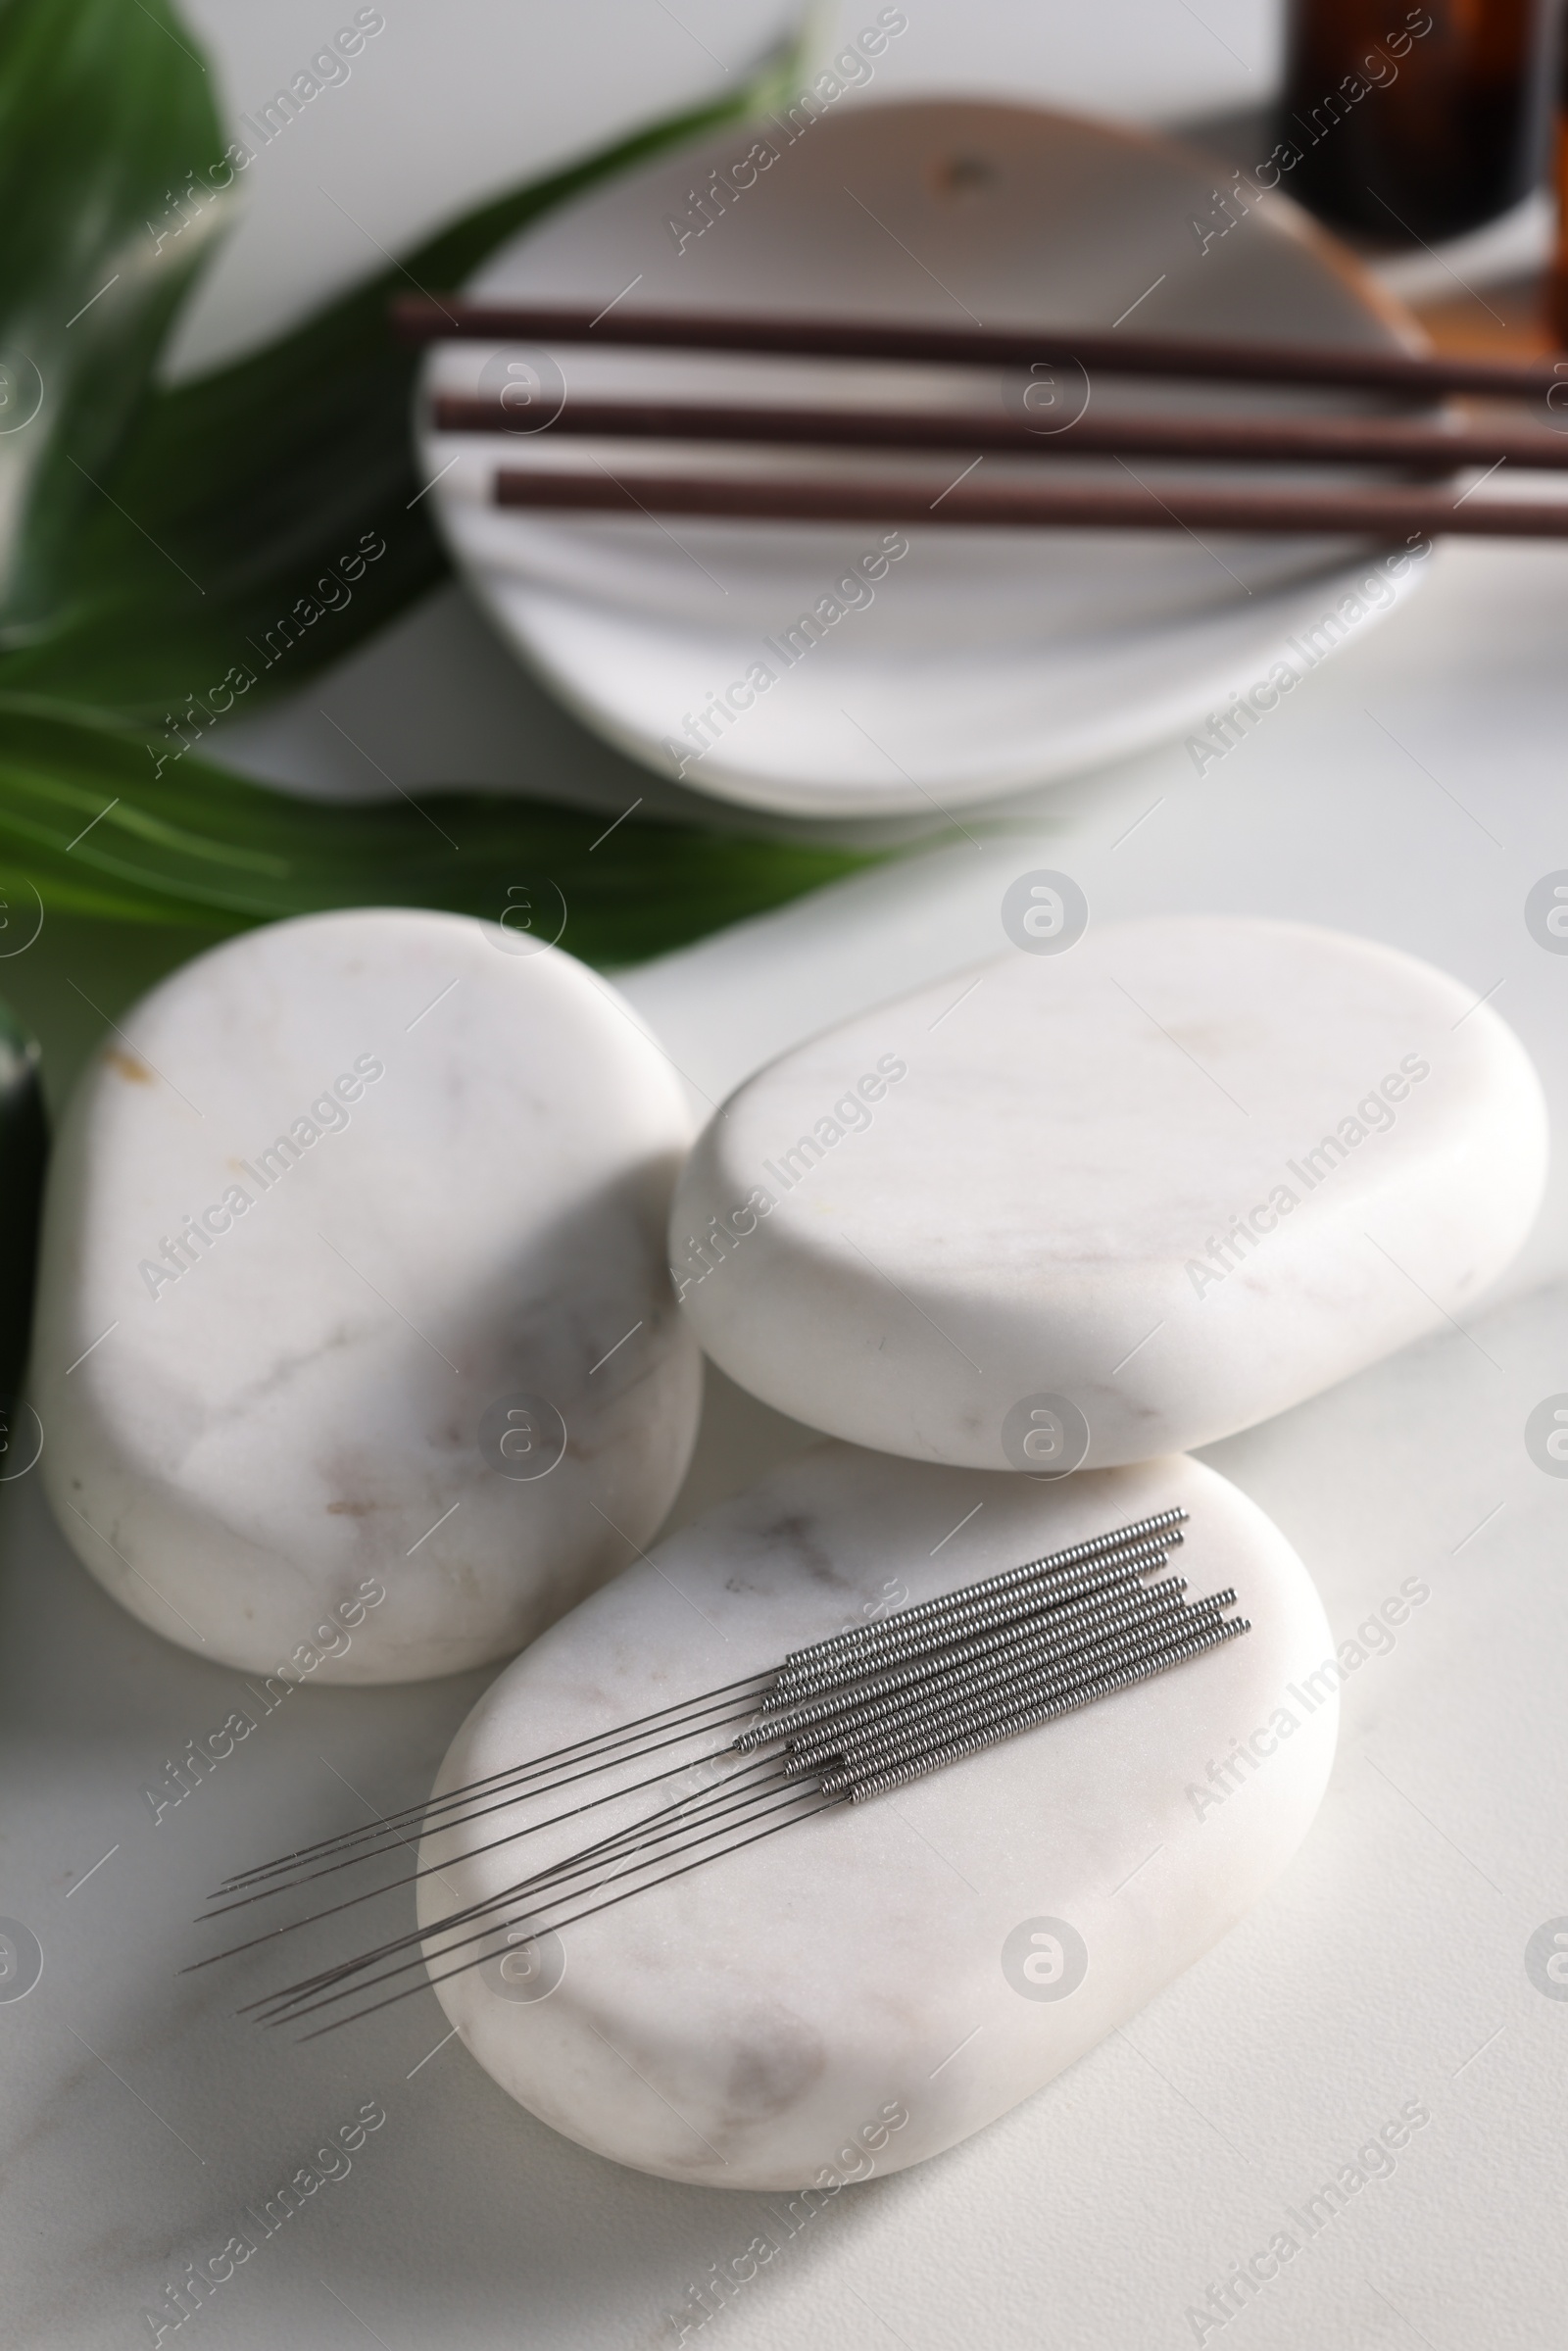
x,y
981,661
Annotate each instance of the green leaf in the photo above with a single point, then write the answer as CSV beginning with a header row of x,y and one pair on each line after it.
x,y
104,110
89,820
238,492
169,537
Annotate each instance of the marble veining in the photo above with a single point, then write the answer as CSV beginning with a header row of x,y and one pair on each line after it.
x,y
734,2027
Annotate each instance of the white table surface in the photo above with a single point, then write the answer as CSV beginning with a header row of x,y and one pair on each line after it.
x,y
1409,791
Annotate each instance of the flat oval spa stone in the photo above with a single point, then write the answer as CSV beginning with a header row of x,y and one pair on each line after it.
x,y
353,1226
936,1954
1125,1199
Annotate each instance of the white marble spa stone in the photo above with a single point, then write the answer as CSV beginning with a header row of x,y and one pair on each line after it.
x,y
352,1224
1086,1205
872,1986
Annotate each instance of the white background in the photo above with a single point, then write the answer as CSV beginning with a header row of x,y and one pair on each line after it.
x,y
1412,792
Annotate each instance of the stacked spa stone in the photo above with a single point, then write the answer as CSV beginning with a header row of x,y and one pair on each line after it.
x,y
1013,1243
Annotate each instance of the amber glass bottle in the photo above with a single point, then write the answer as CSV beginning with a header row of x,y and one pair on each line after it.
x,y
1414,123
1558,284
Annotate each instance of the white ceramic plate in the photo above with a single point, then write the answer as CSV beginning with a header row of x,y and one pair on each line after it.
x,y
981,661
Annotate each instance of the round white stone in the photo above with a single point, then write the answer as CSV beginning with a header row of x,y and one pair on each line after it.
x,y
937,1953
1142,1192
429,1168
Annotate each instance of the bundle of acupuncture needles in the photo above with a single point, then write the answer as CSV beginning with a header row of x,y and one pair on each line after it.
x,y
854,1716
